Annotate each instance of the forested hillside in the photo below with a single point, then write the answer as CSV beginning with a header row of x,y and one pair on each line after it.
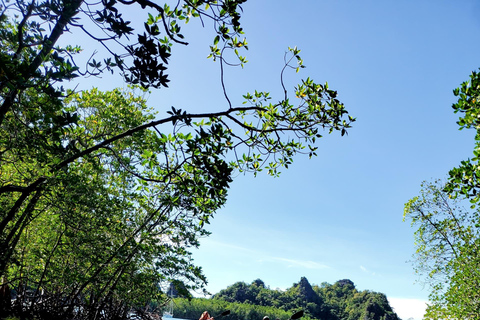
x,y
326,302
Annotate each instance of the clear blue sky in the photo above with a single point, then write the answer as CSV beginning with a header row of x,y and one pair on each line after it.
x,y
337,216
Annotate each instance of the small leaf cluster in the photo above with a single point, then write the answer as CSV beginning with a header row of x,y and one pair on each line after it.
x,y
464,179
279,131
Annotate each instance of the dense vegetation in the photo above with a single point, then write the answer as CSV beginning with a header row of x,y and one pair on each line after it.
x,y
447,226
100,197
326,302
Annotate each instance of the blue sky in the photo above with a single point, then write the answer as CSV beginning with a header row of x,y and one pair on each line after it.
x,y
339,215
394,64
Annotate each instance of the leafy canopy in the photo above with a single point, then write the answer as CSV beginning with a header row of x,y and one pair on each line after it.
x,y
448,233
100,198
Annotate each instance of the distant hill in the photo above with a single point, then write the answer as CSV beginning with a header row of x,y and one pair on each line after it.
x,y
340,301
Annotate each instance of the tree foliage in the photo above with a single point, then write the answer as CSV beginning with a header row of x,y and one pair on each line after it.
x,y
190,309
327,302
447,240
100,198
464,180
447,235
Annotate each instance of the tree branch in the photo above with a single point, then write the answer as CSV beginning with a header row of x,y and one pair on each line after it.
x,y
69,11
